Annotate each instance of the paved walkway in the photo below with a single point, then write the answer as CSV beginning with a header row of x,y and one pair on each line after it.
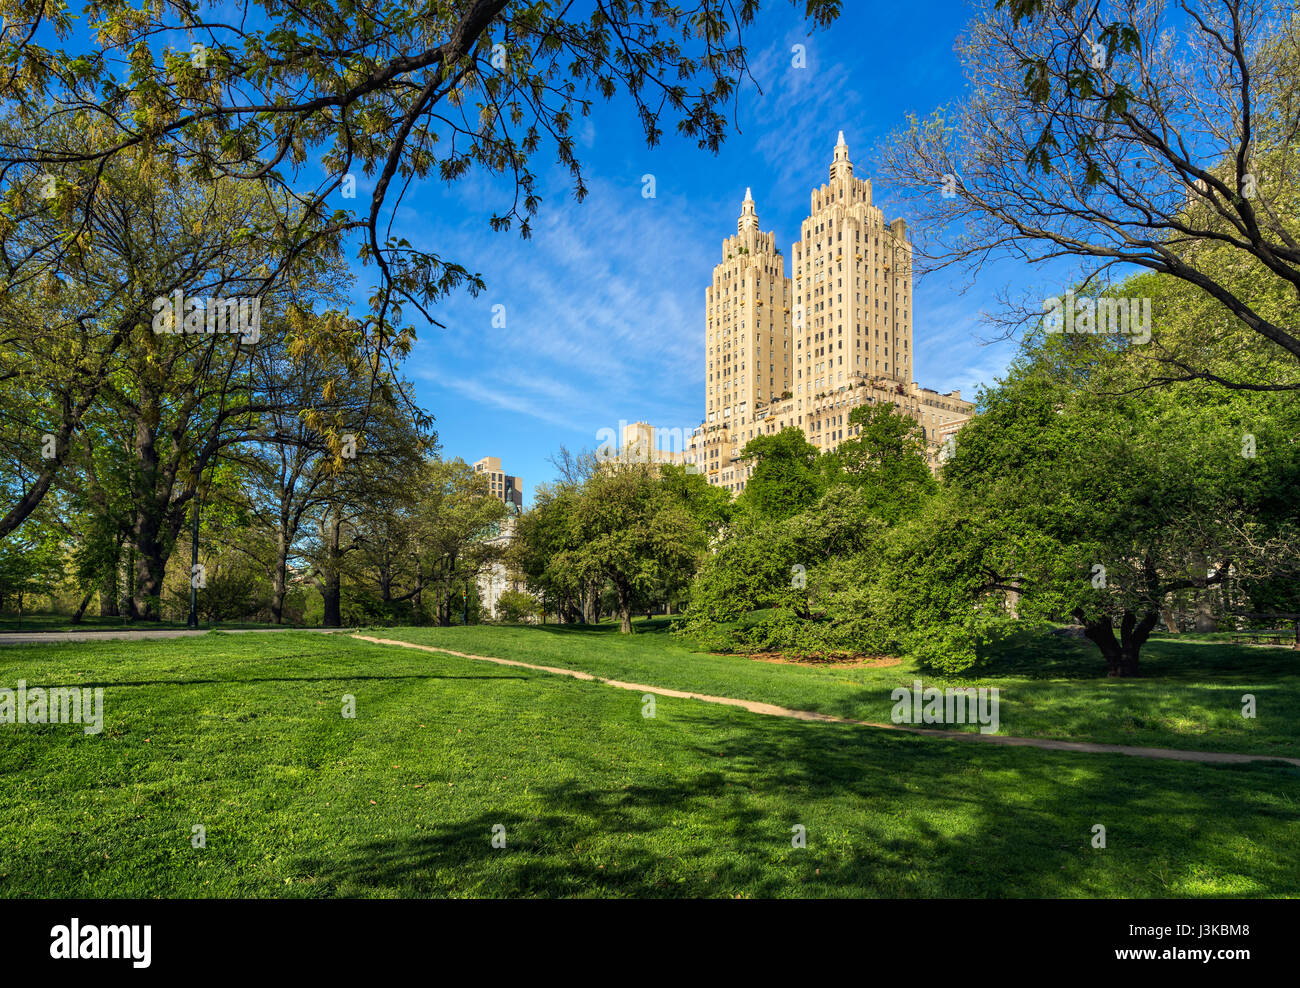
x,y
42,637
769,709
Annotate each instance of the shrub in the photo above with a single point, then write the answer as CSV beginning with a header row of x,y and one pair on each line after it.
x,y
517,607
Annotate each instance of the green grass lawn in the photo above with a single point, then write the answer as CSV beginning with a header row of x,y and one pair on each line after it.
x,y
243,734
1188,697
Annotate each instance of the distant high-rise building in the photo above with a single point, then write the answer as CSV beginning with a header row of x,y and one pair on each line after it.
x,y
804,350
496,577
643,443
750,296
509,489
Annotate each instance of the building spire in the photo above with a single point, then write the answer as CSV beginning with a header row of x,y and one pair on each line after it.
x,y
748,217
840,164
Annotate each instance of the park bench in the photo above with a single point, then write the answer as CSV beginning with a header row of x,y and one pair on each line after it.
x,y
1282,636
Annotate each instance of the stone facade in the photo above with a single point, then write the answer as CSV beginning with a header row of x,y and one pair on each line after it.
x,y
804,350
496,578
643,443
509,489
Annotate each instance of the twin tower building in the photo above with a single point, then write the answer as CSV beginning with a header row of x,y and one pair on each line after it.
x,y
803,350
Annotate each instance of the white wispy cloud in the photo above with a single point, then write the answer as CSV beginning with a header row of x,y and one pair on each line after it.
x,y
603,310
801,110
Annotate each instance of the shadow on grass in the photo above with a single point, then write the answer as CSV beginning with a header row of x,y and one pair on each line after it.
x,y
1059,657
884,816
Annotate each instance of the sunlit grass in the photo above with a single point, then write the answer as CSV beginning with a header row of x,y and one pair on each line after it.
x,y
245,736
1189,696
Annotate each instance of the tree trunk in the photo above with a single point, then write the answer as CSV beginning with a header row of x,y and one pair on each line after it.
x,y
280,577
1205,622
85,602
624,608
150,563
447,592
1121,656
147,529
108,595
331,585
331,594
1134,633
130,581
1170,619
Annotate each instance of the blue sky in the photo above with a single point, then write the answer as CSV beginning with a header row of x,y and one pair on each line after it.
x,y
604,304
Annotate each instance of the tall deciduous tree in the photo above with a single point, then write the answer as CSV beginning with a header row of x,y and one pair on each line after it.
x,y
368,89
885,456
1120,133
629,529
450,541
1078,497
639,528
789,474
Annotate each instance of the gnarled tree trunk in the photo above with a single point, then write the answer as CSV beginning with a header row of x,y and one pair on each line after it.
x,y
1121,655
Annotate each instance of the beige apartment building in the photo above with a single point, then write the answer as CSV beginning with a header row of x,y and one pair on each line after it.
x,y
640,442
804,350
495,579
509,489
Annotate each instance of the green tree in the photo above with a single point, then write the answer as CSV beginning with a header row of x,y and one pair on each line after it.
x,y
639,528
355,502
1085,495
789,474
31,563
455,520
517,607
885,457
397,92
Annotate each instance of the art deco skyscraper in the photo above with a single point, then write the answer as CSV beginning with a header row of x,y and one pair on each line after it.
x,y
748,347
804,351
852,288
